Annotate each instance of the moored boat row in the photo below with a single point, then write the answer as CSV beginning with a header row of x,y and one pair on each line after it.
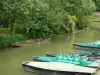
x,y
81,63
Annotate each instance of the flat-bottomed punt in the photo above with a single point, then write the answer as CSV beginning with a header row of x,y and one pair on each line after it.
x,y
88,54
95,46
54,68
54,59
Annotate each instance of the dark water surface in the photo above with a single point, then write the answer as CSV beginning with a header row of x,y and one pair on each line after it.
x,y
11,59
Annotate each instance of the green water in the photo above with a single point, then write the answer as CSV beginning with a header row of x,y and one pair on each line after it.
x,y
11,59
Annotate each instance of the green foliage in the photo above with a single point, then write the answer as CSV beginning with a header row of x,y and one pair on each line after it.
x,y
98,5
4,32
17,38
41,18
7,41
83,10
84,22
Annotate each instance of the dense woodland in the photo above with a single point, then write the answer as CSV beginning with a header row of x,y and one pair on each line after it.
x,y
97,2
27,19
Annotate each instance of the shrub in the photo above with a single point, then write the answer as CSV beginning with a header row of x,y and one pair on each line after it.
x,y
7,41
41,18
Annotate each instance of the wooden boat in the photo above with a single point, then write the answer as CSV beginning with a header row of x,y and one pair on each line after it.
x,y
57,68
95,46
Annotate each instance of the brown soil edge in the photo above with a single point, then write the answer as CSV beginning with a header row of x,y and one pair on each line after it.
x,y
98,13
31,42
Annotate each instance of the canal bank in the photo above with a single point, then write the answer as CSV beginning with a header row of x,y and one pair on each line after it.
x,y
12,58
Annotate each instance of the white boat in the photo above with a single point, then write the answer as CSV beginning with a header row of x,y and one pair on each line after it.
x,y
58,68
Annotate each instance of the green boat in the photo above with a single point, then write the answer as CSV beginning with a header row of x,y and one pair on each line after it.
x,y
76,59
89,54
95,46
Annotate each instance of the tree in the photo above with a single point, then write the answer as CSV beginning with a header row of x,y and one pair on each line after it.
x,y
83,10
41,18
98,5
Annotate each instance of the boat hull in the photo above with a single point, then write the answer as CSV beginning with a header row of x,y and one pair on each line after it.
x,y
36,59
50,72
92,56
90,59
54,54
86,48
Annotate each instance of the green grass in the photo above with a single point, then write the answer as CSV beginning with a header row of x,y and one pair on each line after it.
x,y
96,24
4,32
98,18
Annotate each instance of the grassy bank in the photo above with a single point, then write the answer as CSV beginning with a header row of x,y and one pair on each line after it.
x,y
96,23
4,32
6,39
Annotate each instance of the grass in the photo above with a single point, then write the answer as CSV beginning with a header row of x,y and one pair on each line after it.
x,y
97,19
6,40
96,24
4,32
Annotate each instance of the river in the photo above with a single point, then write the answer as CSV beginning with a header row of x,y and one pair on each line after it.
x,y
12,58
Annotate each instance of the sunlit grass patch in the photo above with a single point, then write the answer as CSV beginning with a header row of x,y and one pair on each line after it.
x,y
4,31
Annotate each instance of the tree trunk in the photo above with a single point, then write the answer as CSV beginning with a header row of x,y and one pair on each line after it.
x,y
72,27
13,31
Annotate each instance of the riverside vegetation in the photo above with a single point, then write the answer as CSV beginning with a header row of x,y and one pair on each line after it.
x,y
28,19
